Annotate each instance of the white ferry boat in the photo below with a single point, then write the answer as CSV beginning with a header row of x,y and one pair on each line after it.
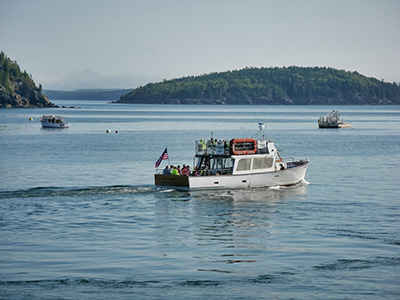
x,y
53,121
332,120
236,164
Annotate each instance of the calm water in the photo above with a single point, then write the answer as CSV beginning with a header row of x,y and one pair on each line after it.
x,y
81,219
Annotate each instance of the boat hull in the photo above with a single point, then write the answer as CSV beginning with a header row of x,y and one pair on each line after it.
x,y
54,125
340,125
289,176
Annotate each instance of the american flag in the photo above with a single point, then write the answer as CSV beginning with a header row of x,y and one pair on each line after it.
x,y
163,156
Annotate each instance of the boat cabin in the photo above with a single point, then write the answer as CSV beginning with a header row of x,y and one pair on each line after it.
x,y
237,156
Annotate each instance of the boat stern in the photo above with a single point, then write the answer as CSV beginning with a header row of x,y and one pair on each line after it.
x,y
172,181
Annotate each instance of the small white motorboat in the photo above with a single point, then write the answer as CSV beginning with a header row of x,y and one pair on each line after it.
x,y
236,164
332,120
53,121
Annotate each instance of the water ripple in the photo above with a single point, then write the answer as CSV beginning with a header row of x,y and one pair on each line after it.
x,y
359,264
72,192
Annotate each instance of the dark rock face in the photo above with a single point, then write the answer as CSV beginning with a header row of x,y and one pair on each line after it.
x,y
17,89
24,96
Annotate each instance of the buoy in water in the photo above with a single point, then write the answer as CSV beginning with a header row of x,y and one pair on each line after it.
x,y
30,119
116,131
108,131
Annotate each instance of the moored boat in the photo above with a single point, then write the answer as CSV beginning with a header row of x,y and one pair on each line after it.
x,y
332,120
53,121
236,164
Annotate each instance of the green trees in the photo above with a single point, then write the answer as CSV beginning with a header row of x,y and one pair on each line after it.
x,y
288,85
10,73
17,89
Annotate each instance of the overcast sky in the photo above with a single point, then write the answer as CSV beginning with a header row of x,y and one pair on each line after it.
x,y
71,44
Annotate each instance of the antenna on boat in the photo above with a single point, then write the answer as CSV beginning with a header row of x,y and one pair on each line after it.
x,y
261,132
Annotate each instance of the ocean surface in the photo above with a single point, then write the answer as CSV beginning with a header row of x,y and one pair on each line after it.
x,y
80,217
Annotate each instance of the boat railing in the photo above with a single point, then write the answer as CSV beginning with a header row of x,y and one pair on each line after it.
x,y
212,146
203,172
332,117
286,159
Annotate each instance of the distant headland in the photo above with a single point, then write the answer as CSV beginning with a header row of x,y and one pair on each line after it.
x,y
17,89
87,94
264,86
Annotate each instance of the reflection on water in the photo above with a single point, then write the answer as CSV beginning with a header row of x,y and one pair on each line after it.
x,y
239,223
267,195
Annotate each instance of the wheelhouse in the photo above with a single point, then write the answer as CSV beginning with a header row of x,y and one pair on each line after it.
x,y
232,157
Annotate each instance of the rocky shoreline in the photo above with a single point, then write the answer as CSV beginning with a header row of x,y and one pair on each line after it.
x,y
24,96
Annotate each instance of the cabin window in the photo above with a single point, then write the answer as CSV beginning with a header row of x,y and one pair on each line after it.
x,y
262,163
215,164
244,164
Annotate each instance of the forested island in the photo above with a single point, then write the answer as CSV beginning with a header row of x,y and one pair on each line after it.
x,y
17,89
263,86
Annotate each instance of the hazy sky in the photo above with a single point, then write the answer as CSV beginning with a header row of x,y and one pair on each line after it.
x,y
70,44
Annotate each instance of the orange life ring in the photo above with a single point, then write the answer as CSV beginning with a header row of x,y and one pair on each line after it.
x,y
236,142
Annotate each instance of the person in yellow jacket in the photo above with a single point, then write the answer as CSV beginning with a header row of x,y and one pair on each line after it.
x,y
203,145
174,171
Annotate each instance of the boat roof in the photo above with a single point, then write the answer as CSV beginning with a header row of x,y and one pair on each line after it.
x,y
52,116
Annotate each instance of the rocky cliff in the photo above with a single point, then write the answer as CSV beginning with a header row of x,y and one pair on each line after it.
x,y
17,89
24,96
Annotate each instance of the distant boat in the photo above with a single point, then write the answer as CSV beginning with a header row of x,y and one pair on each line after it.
x,y
53,121
332,120
236,164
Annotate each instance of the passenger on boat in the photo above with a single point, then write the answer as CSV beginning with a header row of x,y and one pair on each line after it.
x,y
166,171
211,144
207,162
174,171
194,172
203,145
185,171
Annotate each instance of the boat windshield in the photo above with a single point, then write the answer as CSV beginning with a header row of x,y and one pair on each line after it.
x,y
214,165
